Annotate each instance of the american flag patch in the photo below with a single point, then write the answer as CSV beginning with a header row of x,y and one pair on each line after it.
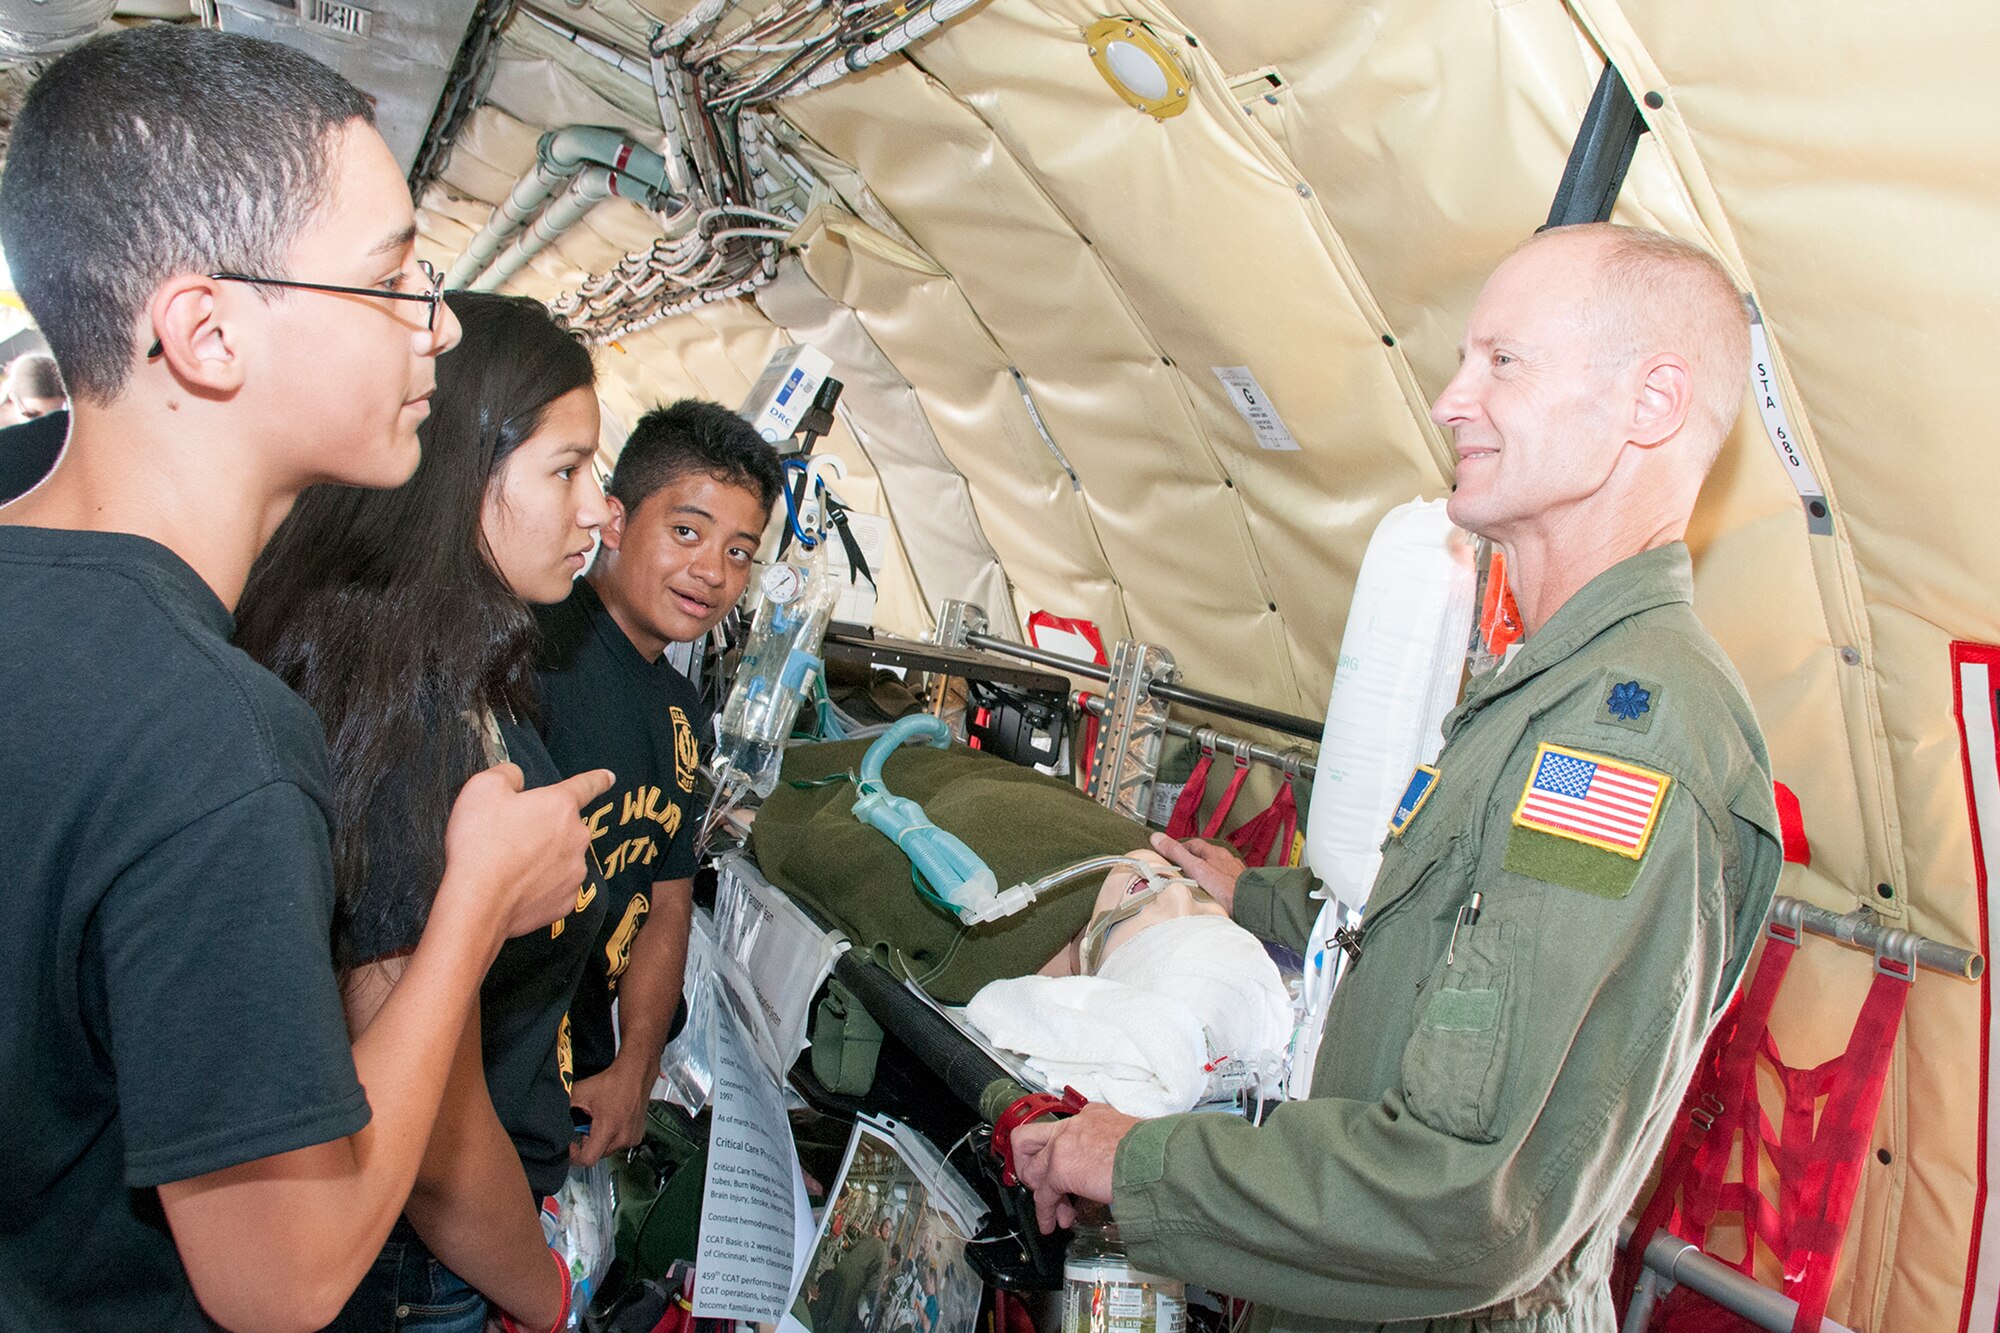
x,y
1590,799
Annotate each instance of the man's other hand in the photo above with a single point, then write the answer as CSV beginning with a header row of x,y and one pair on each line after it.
x,y
1208,864
521,851
1066,1160
616,1104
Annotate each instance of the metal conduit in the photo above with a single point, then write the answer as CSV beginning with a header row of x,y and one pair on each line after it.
x,y
1255,715
592,186
559,156
918,25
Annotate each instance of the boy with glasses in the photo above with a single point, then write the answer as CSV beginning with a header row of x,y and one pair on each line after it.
x,y
194,1138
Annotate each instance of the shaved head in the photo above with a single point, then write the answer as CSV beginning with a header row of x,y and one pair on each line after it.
x,y
1654,294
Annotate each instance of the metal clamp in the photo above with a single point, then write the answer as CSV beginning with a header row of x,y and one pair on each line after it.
x,y
1787,921
956,621
1025,1109
1896,955
1127,755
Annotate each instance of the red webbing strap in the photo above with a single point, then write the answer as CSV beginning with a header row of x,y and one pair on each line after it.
x,y
1819,1154
1272,827
1187,807
1215,821
1739,1115
1696,1156
1833,1162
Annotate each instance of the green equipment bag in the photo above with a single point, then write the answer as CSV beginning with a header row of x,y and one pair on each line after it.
x,y
1022,823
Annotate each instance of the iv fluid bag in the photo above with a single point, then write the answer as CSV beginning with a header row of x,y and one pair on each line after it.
x,y
780,664
1401,658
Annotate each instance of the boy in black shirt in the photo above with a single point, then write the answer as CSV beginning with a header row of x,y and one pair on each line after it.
x,y
692,492
193,1138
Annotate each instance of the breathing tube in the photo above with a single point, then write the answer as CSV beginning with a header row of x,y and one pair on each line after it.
x,y
945,871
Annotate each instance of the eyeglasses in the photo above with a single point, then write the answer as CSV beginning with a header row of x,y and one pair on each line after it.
x,y
433,297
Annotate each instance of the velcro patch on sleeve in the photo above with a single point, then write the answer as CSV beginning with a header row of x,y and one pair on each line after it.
x,y
1590,799
1572,865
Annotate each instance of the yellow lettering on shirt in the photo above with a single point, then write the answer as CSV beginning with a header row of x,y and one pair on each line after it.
x,y
618,949
687,750
670,820
597,818
635,804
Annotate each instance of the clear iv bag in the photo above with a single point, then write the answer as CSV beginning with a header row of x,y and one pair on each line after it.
x,y
779,667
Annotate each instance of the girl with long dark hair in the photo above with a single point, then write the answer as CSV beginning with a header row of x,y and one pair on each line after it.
x,y
402,618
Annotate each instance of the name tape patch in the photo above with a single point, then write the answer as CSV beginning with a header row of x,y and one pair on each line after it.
x,y
1590,799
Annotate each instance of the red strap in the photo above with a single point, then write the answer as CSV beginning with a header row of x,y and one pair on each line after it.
x,y
1697,1156
1792,826
1840,1147
1215,821
1089,755
1031,1107
1499,618
1269,829
1187,808
1819,1153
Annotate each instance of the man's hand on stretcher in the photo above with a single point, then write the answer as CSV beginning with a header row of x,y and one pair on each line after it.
x,y
1210,864
1070,1159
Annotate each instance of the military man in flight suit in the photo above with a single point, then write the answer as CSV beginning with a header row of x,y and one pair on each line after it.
x,y
1567,898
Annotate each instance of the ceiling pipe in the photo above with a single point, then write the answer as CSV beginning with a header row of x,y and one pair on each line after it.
x,y
49,27
917,26
627,169
592,185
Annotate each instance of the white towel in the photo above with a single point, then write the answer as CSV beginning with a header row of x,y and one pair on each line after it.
x,y
1180,996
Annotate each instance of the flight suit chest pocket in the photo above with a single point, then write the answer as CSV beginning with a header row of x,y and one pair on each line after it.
x,y
1456,1059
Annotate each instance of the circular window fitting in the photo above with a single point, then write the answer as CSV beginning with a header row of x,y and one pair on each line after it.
x,y
1140,68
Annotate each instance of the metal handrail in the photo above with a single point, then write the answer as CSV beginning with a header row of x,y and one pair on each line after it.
x,y
1864,928
1678,1261
1255,714
1291,761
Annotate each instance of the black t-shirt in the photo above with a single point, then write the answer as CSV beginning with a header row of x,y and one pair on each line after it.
x,y
28,450
170,1001
524,1001
605,706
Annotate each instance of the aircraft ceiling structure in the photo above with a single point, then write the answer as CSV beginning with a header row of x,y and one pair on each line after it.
x,y
1029,286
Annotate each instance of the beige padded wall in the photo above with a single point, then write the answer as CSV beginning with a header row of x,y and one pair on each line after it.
x,y
1157,251
928,499
1020,495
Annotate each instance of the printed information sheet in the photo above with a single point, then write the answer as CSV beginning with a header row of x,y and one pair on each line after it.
x,y
756,1225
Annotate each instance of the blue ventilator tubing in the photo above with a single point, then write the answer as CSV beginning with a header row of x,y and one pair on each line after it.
x,y
945,870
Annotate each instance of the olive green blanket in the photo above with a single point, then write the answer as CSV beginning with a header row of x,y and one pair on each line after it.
x,y
1023,823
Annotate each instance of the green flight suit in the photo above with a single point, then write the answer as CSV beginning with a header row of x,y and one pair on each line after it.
x,y
1483,1113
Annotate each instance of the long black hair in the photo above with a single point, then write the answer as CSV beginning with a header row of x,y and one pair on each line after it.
x,y
385,612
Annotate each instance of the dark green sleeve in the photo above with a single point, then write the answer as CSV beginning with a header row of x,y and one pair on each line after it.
x,y
1533,1092
1273,903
